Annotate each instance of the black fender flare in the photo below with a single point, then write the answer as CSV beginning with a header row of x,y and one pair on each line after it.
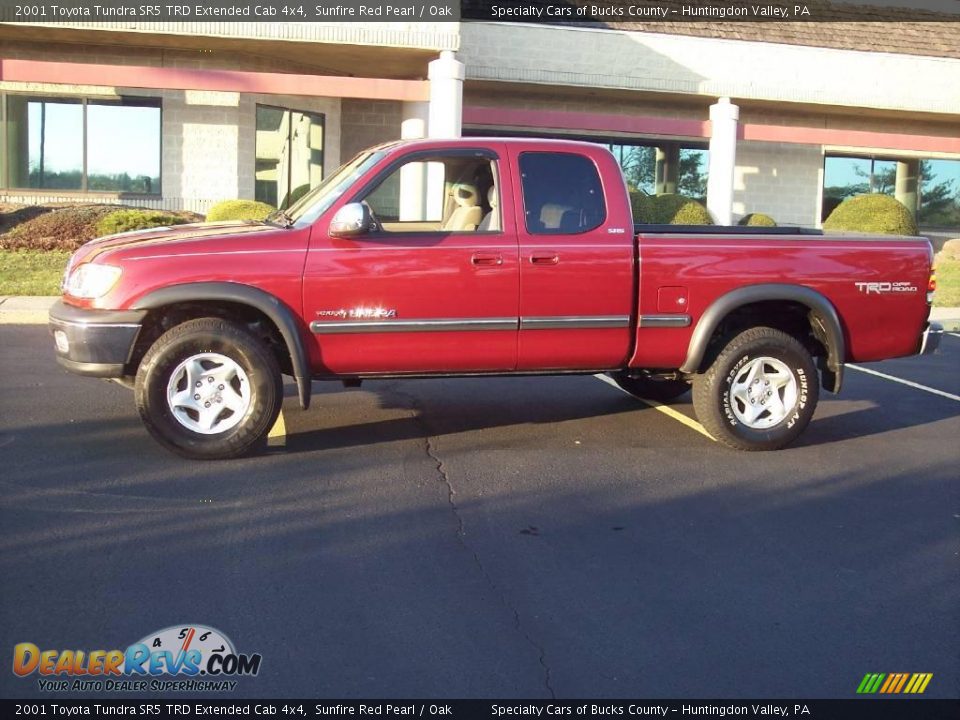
x,y
823,312
279,313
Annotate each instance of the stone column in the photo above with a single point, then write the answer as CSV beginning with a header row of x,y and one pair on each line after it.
x,y
908,184
446,75
413,176
724,117
667,173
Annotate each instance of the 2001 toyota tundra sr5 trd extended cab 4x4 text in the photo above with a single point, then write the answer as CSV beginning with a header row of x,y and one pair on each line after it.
x,y
483,257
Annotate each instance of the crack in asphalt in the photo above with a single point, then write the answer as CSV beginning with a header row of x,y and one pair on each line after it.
x,y
429,449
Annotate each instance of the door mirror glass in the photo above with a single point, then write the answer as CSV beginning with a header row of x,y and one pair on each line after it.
x,y
351,220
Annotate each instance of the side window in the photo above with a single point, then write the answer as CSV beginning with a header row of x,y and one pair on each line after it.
x,y
562,194
442,194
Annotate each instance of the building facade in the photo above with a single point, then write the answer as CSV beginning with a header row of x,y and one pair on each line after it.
x,y
748,117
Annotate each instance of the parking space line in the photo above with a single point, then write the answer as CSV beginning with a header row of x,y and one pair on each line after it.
x,y
665,409
908,383
953,334
277,437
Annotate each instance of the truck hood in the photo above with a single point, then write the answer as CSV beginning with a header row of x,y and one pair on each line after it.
x,y
163,235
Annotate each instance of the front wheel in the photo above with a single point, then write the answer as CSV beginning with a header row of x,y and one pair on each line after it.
x,y
760,393
208,389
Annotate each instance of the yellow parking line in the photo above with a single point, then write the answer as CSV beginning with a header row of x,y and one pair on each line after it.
x,y
665,409
277,437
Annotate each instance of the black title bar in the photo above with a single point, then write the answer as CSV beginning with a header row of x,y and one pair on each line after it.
x,y
858,709
603,13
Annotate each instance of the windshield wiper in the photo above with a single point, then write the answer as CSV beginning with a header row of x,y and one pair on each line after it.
x,y
280,219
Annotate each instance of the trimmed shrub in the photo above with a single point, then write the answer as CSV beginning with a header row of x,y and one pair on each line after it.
x,y
239,210
127,220
874,213
951,250
66,227
757,220
668,210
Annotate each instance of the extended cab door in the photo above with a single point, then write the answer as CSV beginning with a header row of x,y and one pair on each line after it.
x,y
576,258
434,288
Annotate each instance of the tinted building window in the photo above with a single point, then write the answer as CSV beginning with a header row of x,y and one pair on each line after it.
x,y
939,196
123,148
562,193
289,154
44,144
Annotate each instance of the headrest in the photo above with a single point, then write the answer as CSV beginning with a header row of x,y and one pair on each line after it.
x,y
465,195
492,196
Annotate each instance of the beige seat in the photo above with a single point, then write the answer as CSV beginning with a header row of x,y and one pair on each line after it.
x,y
551,215
491,221
467,214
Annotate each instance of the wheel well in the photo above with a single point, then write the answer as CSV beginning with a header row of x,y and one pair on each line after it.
x,y
791,317
161,319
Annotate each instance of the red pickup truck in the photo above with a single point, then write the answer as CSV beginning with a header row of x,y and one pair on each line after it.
x,y
483,257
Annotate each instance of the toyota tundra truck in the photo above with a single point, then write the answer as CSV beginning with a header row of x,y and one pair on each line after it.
x,y
483,257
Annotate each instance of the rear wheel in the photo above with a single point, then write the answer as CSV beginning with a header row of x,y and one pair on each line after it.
x,y
208,389
760,392
650,387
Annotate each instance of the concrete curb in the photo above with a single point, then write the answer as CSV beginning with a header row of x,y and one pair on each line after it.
x,y
25,310
948,317
33,311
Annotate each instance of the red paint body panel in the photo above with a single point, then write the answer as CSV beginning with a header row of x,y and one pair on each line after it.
x,y
875,326
590,274
605,272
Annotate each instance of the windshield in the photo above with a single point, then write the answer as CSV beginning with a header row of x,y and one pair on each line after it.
x,y
308,208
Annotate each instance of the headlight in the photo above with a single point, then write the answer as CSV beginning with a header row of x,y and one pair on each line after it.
x,y
91,280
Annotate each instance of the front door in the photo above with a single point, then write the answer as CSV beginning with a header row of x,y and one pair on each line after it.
x,y
433,288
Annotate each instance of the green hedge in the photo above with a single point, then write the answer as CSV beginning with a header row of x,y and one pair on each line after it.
x,y
239,210
668,210
757,220
874,213
127,220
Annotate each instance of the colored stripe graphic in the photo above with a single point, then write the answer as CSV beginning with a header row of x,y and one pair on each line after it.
x,y
894,683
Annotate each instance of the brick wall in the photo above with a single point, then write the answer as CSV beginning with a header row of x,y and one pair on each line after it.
x,y
782,180
367,122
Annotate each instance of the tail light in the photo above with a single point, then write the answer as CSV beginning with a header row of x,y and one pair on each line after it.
x,y
931,285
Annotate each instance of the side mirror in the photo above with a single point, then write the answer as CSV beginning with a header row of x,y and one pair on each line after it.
x,y
352,219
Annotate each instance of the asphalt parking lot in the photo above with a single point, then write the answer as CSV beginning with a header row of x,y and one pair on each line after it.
x,y
494,538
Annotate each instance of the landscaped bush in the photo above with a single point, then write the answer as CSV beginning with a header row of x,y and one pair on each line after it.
x,y
874,213
757,220
951,250
126,220
239,210
64,227
668,210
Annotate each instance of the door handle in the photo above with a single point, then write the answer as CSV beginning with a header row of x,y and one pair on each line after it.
x,y
545,259
487,259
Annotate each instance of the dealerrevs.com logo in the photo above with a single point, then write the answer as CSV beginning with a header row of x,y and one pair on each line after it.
x,y
198,657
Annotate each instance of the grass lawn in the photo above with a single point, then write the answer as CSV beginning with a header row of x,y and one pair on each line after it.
x,y
948,282
31,272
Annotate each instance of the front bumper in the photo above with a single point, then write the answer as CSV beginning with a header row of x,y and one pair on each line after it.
x,y
96,343
930,340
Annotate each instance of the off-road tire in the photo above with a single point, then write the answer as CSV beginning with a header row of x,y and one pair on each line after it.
x,y
716,409
209,335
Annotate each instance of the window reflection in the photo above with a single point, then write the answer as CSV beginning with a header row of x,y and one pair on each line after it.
x,y
289,154
123,148
44,143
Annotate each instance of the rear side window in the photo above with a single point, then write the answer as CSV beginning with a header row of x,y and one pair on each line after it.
x,y
562,194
